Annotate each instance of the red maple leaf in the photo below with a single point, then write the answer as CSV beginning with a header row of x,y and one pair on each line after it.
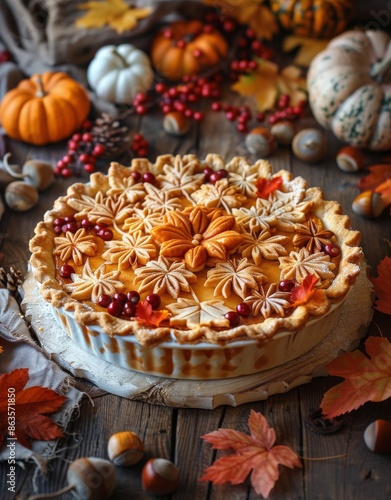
x,y
385,190
28,407
255,452
378,174
382,286
267,186
147,316
301,294
367,378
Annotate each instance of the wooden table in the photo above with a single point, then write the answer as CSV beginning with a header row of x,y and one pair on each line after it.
x,y
173,433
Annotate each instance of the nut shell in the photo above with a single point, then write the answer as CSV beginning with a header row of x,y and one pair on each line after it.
x,y
368,204
20,196
309,145
125,448
350,159
283,132
160,476
93,478
377,436
38,173
176,123
260,142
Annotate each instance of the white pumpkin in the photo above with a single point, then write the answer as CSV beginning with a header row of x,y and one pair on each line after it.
x,y
349,86
117,73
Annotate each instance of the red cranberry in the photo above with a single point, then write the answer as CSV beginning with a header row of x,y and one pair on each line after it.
x,y
154,300
104,300
332,249
233,318
115,308
89,168
198,116
57,229
160,88
149,177
66,271
136,176
71,227
84,158
66,173
106,234
59,221
69,218
243,309
223,174
120,297
87,224
72,145
98,227
208,172
98,150
286,285
133,297
216,106
129,309
76,137
86,137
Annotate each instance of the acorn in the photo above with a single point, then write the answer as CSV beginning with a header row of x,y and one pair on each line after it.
x,y
20,196
377,436
350,159
125,448
368,204
283,132
160,476
176,123
260,142
309,145
37,173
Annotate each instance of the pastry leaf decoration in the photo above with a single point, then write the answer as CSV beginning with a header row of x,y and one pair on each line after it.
x,y
301,294
147,316
266,186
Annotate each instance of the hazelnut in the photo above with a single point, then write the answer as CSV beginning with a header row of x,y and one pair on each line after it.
x,y
260,142
309,145
37,173
377,436
283,132
160,476
20,196
368,204
350,159
176,123
125,448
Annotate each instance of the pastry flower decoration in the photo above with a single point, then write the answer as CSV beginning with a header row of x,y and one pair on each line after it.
x,y
112,210
255,218
181,178
133,250
142,219
264,245
75,245
298,265
234,276
220,194
160,201
312,236
268,300
162,276
91,284
196,236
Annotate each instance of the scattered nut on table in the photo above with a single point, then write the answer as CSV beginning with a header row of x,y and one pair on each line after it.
x,y
125,448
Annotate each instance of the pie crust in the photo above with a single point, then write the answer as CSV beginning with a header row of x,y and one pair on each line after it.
x,y
204,248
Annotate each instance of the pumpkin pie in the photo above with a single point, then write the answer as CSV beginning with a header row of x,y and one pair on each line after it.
x,y
192,268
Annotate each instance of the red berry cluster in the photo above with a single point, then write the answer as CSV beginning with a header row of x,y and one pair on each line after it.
x,y
242,310
140,146
81,155
212,176
69,223
125,304
285,111
241,115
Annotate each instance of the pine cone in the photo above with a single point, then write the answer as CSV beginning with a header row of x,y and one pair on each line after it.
x,y
11,280
112,134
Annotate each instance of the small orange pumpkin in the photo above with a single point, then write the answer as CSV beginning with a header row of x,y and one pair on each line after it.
x,y
187,48
44,108
313,18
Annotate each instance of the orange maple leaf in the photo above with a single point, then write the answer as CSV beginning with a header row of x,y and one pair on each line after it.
x,y
147,316
301,294
382,286
267,186
29,406
385,190
255,452
367,378
377,175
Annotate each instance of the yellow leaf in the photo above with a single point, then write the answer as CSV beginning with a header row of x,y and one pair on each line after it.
x,y
115,13
251,12
309,48
267,83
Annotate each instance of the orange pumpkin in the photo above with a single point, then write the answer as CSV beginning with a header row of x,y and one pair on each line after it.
x,y
187,48
313,18
44,108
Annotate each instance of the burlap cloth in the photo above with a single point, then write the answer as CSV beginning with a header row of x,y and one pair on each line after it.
x,y
20,351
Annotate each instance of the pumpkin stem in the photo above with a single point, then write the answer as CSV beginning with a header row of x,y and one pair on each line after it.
x,y
380,69
40,92
120,58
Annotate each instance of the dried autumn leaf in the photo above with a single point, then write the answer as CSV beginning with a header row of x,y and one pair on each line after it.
x,y
308,48
30,407
147,316
115,13
378,174
301,294
250,12
385,190
255,452
267,186
267,83
382,286
367,378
